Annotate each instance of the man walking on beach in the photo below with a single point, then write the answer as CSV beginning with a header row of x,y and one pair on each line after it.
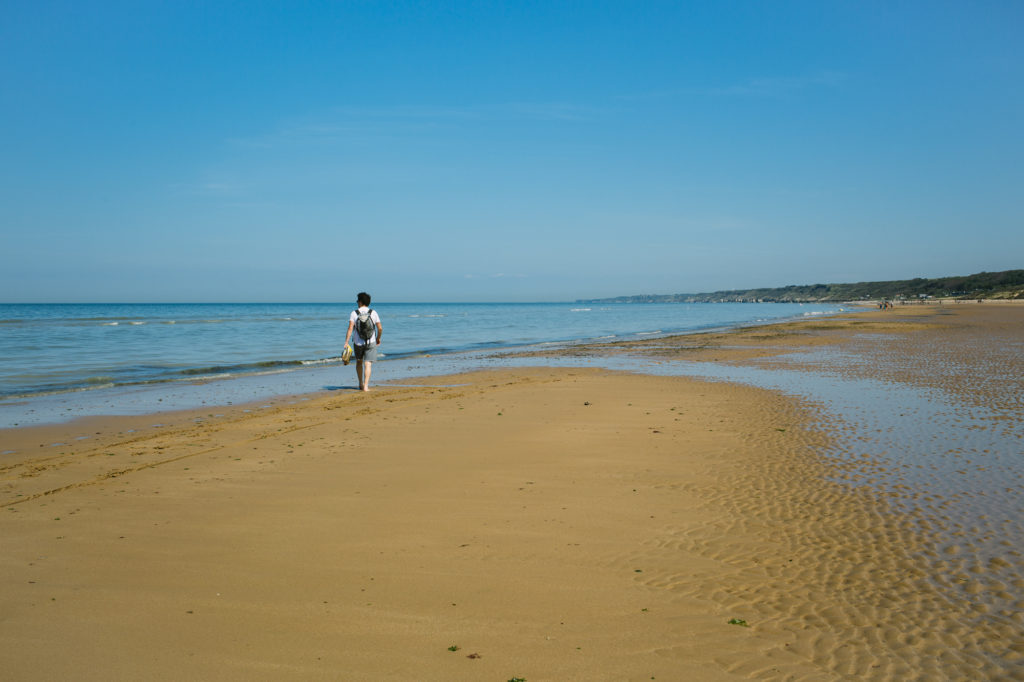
x,y
366,323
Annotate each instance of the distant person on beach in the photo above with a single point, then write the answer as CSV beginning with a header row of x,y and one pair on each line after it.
x,y
365,322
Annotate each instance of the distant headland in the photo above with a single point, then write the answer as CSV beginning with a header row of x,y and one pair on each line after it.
x,y
1006,285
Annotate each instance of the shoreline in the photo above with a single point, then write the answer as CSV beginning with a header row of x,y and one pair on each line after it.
x,y
314,377
561,522
307,378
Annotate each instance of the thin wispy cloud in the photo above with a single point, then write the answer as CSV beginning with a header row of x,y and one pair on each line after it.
x,y
548,111
555,111
347,123
779,86
769,86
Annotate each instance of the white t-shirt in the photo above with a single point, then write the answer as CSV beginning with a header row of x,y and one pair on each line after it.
x,y
374,317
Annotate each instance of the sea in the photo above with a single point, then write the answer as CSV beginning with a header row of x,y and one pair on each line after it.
x,y
63,361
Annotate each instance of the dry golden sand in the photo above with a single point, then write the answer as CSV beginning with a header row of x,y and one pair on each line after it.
x,y
551,524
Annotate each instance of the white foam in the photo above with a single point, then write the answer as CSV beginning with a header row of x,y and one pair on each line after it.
x,y
62,391
325,361
204,377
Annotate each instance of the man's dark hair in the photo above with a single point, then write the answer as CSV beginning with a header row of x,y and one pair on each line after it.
x,y
363,298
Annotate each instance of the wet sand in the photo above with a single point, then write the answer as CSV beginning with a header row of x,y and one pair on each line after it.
x,y
543,524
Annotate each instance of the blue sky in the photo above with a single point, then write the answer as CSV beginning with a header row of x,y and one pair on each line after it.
x,y
519,151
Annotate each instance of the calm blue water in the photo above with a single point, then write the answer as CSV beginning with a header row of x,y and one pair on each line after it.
x,y
103,348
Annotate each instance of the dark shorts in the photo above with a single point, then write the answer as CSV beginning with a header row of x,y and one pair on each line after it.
x,y
365,352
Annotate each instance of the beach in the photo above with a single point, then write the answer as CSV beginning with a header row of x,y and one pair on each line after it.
x,y
541,523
